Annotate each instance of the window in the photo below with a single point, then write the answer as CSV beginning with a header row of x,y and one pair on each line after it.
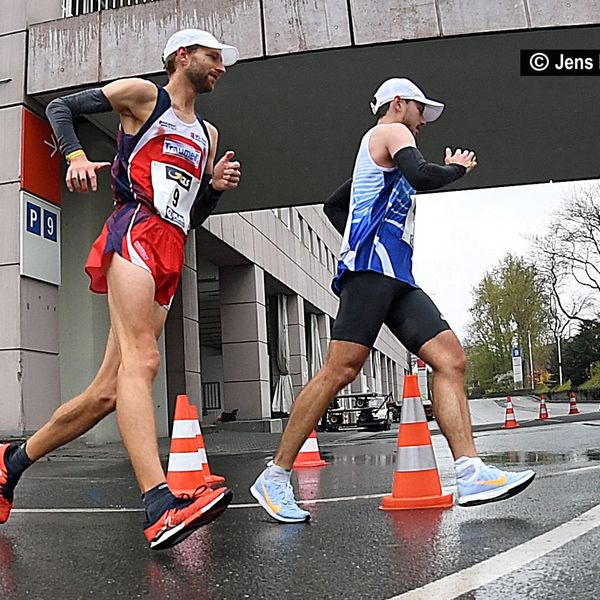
x,y
74,8
302,230
284,215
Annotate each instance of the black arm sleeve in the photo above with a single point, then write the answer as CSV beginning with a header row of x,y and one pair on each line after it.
x,y
337,206
423,175
206,201
61,112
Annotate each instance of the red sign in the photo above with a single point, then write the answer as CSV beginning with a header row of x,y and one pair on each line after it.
x,y
41,164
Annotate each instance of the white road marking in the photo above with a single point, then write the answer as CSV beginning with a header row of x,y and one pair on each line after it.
x,y
319,500
446,489
76,510
502,564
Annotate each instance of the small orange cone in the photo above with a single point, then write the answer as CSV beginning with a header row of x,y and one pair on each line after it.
x,y
208,476
309,455
573,410
543,409
184,472
416,479
510,421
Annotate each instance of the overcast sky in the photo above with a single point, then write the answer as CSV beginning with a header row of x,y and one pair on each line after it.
x,y
461,235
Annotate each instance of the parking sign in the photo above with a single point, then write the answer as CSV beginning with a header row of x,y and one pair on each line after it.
x,y
40,239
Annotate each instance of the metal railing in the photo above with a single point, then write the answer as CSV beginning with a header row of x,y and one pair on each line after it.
x,y
74,8
211,396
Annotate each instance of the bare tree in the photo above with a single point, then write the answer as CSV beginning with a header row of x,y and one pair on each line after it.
x,y
568,257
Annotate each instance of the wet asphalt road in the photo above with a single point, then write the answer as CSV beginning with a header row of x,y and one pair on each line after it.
x,y
350,550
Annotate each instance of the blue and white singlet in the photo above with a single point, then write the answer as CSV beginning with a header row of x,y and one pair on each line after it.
x,y
380,228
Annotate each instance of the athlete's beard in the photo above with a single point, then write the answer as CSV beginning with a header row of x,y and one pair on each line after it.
x,y
199,79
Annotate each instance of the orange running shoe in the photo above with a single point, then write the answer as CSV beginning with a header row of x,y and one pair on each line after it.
x,y
185,515
6,488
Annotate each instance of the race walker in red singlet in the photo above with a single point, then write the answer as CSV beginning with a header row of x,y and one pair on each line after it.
x,y
156,176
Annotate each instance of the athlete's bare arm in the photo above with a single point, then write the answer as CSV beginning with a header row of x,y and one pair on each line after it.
x,y
134,99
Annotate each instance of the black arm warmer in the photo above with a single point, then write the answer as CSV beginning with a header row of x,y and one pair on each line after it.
x,y
337,206
206,201
61,111
423,175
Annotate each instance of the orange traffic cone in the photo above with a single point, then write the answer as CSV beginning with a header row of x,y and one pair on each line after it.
x,y
208,476
309,455
573,410
510,421
543,409
416,479
184,472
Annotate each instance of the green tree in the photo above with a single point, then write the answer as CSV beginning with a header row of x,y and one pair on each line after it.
x,y
509,305
581,351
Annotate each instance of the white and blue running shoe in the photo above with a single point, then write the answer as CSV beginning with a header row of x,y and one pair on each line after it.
x,y
479,483
277,498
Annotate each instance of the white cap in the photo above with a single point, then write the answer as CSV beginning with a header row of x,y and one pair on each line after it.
x,y
407,90
197,37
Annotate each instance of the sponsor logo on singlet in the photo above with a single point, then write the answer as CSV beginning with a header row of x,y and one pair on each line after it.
x,y
167,124
182,150
181,177
175,217
197,137
141,250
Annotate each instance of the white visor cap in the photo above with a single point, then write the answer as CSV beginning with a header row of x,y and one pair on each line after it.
x,y
407,90
197,37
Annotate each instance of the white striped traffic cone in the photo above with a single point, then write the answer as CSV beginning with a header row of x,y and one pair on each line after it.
x,y
208,476
510,421
184,472
309,455
573,410
543,409
416,479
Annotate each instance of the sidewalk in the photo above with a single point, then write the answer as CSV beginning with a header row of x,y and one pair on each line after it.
x,y
217,442
228,443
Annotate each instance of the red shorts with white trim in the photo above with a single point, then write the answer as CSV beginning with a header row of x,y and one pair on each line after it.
x,y
140,236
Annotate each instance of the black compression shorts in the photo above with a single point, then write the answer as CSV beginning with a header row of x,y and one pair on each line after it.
x,y
369,299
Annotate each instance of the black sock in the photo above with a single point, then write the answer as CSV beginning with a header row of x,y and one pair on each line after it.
x,y
16,460
156,501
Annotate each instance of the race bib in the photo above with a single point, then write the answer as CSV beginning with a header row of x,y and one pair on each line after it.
x,y
409,225
174,193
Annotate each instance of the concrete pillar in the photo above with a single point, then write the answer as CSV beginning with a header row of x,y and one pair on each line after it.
x,y
29,365
324,324
368,372
400,379
244,334
384,374
182,336
297,340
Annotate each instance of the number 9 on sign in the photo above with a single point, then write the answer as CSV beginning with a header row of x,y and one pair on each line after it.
x,y
50,225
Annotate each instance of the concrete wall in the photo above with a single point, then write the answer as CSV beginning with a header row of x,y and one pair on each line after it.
x,y
83,316
29,335
91,48
302,256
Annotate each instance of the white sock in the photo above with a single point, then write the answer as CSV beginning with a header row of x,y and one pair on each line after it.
x,y
466,466
276,473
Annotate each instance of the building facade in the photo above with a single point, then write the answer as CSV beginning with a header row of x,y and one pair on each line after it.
x,y
287,109
225,329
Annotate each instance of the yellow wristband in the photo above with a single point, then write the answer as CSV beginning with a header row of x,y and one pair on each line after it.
x,y
69,157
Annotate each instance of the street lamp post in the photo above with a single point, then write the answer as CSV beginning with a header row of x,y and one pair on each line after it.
x,y
560,371
530,361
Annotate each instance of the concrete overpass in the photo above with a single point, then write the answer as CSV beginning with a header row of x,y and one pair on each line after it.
x,y
297,104
294,109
